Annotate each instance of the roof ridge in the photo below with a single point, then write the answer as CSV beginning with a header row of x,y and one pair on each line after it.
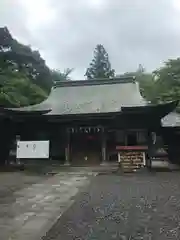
x,y
103,81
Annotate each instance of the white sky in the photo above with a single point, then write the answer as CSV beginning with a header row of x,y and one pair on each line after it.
x,y
176,4
39,13
66,31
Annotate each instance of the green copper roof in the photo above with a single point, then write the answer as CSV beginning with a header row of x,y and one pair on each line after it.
x,y
94,96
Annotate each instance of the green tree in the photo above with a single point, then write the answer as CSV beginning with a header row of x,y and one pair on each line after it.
x,y
146,82
168,81
100,67
57,75
24,77
162,85
21,58
16,90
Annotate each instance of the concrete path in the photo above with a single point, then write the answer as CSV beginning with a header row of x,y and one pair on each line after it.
x,y
38,206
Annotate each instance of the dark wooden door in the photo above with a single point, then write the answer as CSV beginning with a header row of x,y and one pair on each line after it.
x,y
85,149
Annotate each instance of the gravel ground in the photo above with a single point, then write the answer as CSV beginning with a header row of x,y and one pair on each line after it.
x,y
141,206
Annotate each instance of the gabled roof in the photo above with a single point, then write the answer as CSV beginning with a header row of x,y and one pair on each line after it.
x,y
91,97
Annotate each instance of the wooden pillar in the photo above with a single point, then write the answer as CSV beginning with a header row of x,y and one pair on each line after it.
x,y
150,150
67,148
103,147
6,139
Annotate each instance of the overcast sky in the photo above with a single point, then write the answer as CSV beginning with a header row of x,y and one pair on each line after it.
x,y
67,31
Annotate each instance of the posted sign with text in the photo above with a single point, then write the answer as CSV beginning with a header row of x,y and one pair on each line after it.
x,y
32,149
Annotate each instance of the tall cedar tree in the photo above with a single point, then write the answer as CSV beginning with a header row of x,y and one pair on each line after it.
x,y
100,67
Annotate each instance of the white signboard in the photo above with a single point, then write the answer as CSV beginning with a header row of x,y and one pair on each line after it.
x,y
32,149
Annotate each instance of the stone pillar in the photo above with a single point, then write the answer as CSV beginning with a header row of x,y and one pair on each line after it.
x,y
103,147
67,149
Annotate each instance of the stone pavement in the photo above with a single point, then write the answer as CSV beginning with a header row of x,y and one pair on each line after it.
x,y
37,207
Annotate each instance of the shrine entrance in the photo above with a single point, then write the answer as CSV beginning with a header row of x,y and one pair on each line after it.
x,y
85,145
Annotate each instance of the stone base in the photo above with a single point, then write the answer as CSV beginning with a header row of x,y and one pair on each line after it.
x,y
67,164
174,166
105,164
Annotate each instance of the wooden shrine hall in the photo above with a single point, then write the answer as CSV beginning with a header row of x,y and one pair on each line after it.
x,y
89,122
